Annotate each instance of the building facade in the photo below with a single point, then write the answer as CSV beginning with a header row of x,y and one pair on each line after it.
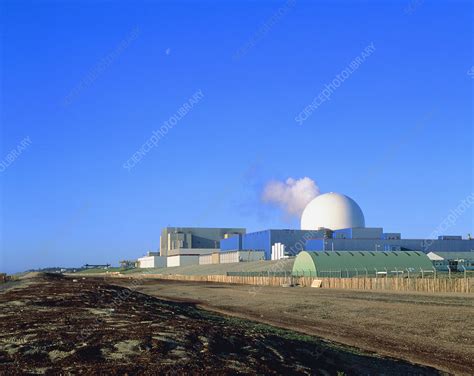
x,y
293,240
351,239
387,245
174,238
151,261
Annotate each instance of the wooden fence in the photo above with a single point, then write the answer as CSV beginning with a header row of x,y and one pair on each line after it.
x,y
463,285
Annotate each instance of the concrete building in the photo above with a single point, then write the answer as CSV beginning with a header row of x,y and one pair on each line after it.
x,y
241,256
231,257
173,238
192,251
209,258
182,260
152,260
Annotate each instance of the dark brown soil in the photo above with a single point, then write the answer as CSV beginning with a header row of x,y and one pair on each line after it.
x,y
56,325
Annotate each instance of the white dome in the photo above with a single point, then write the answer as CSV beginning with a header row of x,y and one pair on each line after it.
x,y
332,211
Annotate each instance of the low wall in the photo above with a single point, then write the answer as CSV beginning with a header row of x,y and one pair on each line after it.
x,y
463,285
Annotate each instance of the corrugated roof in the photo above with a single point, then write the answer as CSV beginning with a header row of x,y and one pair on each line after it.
x,y
315,262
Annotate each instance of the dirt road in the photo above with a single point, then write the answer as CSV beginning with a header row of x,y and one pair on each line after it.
x,y
435,330
59,325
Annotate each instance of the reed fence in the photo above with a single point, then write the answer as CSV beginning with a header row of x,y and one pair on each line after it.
x,y
434,284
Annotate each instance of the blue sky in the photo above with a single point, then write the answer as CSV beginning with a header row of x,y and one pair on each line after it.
x,y
396,135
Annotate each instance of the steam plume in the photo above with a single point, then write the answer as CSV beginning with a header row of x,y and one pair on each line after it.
x,y
292,195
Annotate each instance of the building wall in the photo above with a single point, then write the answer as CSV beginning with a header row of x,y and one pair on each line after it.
x,y
294,240
359,233
191,251
205,259
229,257
241,256
232,243
259,240
152,262
216,258
423,245
173,261
182,260
209,258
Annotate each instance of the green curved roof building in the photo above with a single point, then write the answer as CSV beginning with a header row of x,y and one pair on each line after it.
x,y
351,263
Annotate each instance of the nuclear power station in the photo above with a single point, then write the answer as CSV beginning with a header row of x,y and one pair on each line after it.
x,y
331,222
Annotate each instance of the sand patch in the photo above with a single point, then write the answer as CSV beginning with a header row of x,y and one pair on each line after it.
x,y
123,349
57,355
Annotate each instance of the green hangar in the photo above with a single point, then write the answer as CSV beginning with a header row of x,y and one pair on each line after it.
x,y
355,263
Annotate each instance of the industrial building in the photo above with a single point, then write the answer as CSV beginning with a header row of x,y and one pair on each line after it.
x,y
210,259
351,239
349,264
334,222
452,261
294,240
152,260
390,242
182,260
331,222
241,256
231,257
174,238
192,251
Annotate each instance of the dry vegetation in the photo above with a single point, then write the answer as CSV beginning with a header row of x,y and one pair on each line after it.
x,y
56,325
431,329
